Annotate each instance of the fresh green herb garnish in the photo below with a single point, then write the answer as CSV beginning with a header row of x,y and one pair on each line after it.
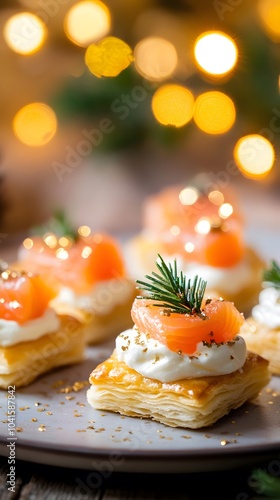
x,y
265,483
57,224
271,276
173,291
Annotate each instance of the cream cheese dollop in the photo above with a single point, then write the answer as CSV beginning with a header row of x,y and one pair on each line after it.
x,y
267,311
227,279
101,299
152,359
12,333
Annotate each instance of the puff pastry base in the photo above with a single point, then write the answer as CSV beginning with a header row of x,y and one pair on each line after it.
x,y
103,326
190,403
263,341
22,363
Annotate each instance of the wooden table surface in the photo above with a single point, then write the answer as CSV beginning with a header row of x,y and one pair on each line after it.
x,y
44,482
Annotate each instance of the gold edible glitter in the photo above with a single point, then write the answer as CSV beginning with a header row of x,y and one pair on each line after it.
x,y
42,428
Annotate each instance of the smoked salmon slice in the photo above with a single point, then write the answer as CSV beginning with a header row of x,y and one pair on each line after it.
x,y
219,321
23,296
78,264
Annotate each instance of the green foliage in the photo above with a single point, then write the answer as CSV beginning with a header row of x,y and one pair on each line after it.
x,y
172,290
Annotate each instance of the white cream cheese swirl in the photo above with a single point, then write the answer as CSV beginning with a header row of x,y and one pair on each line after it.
x,y
100,299
227,279
267,311
152,359
12,333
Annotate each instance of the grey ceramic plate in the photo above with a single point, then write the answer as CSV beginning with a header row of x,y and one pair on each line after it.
x,y
59,428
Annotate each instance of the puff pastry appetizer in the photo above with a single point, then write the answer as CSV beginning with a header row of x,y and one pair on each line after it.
x,y
261,330
33,337
202,227
183,363
90,271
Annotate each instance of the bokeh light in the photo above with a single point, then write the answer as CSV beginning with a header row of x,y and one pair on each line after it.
x,y
269,13
173,105
35,124
214,112
108,57
215,53
24,33
254,156
155,58
87,22
188,196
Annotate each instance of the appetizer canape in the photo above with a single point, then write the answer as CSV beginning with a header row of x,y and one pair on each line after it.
x,y
183,363
90,271
33,337
204,230
261,330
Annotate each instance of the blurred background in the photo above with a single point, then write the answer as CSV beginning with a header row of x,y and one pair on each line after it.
x,y
105,103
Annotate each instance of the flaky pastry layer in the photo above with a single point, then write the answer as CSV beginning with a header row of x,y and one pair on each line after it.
x,y
263,341
190,403
101,327
22,363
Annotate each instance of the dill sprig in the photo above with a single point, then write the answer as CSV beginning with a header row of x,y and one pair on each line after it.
x,y
271,276
266,484
57,224
172,290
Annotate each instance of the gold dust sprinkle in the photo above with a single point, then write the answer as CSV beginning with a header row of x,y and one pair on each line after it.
x,y
81,404
4,421
42,428
275,394
19,429
207,436
49,413
41,409
69,398
62,403
90,427
238,433
233,421
81,430
186,436
22,408
37,404
33,420
268,390
91,421
76,387
78,415
270,402
57,384
101,429
224,442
